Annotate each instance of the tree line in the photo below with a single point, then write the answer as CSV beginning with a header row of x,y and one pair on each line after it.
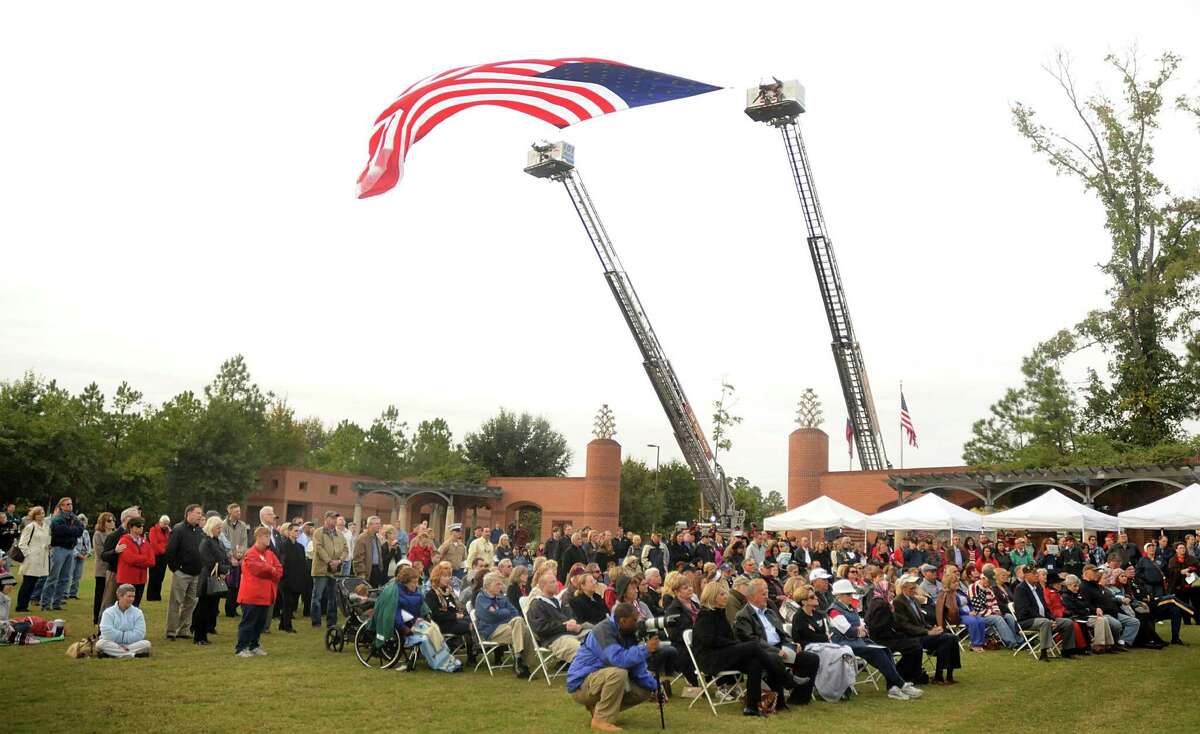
x,y
110,452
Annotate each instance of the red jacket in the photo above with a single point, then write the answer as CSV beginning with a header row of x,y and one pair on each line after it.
x,y
134,562
261,572
158,539
422,553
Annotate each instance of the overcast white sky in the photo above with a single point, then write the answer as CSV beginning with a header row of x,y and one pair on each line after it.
x,y
177,186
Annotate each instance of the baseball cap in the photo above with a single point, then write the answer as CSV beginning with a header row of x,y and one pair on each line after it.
x,y
843,586
819,573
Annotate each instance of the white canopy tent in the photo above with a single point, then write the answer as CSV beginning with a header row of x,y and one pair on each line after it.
x,y
823,512
1178,511
927,512
1051,511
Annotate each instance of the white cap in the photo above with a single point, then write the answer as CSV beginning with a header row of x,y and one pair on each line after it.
x,y
819,573
843,586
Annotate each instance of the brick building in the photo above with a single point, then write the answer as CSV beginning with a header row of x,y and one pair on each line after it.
x,y
591,500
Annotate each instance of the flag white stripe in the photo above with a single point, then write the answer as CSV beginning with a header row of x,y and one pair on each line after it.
x,y
611,97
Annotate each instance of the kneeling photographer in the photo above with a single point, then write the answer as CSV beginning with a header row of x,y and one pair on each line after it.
x,y
670,659
609,671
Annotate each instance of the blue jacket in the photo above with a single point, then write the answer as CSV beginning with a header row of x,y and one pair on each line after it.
x,y
65,530
123,628
606,647
408,601
491,612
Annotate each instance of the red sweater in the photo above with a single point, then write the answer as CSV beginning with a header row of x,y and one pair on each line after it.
x,y
261,572
133,564
158,539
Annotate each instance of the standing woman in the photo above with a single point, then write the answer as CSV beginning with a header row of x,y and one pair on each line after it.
x,y
134,562
34,543
214,561
291,586
421,549
1179,566
103,528
159,535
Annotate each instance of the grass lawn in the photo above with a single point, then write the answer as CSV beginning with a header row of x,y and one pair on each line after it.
x,y
184,688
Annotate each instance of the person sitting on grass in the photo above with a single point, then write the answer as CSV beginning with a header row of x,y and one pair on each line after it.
x,y
123,628
609,671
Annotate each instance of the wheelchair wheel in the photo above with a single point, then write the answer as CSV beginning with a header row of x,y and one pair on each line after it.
x,y
383,656
334,640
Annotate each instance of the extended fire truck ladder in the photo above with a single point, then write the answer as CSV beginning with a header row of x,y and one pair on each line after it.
x,y
556,161
780,105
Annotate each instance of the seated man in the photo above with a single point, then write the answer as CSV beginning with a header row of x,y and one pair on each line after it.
x,y
757,622
123,628
1033,614
910,620
1124,626
498,621
820,583
847,628
609,671
551,623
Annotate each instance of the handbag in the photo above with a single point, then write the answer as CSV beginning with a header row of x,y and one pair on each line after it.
x,y
15,552
214,585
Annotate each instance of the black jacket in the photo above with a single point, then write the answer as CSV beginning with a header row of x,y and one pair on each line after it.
x,y
546,617
1096,598
1071,560
747,627
807,630
682,622
711,635
571,555
65,530
552,547
212,554
620,548
1026,606
109,554
588,608
295,566
443,609
653,599
183,549
1149,576
906,621
1075,604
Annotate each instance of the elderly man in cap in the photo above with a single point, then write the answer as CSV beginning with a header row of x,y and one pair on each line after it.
x,y
328,550
453,551
123,628
819,578
847,628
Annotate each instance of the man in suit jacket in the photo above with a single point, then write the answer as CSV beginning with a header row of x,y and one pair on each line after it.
x,y
367,560
1034,614
908,619
757,622
572,554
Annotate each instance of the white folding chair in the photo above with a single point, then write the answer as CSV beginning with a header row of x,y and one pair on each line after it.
x,y
1031,640
710,686
544,656
959,631
487,647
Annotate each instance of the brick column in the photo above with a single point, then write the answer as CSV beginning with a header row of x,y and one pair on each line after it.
x,y
808,459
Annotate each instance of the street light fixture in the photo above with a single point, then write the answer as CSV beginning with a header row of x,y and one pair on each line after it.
x,y
657,452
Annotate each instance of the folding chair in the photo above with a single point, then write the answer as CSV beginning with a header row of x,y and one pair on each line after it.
x,y
710,686
1031,639
487,647
544,656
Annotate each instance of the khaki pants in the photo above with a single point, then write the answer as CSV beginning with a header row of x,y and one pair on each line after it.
x,y
564,647
514,634
609,692
184,595
110,591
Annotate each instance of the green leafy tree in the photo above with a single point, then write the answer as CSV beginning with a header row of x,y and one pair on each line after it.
x,y
434,456
511,445
680,493
747,498
343,449
1148,329
773,504
285,440
642,502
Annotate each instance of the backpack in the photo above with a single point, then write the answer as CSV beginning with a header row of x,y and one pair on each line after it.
x,y
85,648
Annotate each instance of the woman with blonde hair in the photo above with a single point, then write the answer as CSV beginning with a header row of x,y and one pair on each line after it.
x,y
215,564
34,543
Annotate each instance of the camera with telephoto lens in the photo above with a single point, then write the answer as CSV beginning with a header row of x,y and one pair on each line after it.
x,y
655,626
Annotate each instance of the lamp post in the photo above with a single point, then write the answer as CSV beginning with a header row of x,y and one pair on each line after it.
x,y
657,452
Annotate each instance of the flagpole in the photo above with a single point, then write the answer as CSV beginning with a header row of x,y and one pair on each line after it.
x,y
902,427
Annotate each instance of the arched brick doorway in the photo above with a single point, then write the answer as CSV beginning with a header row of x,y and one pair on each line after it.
x,y
527,515
430,508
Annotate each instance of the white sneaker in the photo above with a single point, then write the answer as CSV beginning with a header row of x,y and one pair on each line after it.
x,y
898,694
245,654
692,692
912,691
258,651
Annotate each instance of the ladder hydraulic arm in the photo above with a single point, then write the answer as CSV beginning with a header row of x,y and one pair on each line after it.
x,y
555,161
780,105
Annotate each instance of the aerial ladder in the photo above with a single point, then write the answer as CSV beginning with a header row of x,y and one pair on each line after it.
x,y
556,162
779,105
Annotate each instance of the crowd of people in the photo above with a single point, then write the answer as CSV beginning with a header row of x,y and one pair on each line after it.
x,y
796,618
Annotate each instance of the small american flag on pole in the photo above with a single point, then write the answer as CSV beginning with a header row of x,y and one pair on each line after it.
x,y
906,422
850,438
561,92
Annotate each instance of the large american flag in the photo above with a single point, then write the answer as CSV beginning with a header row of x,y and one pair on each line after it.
x,y
561,92
906,422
